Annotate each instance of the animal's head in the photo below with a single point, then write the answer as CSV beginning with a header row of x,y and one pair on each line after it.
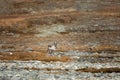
x,y
49,45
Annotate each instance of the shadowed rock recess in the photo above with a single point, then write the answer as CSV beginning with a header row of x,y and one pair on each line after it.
x,y
87,33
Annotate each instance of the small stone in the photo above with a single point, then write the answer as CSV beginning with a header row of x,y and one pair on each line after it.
x,y
96,25
29,49
11,53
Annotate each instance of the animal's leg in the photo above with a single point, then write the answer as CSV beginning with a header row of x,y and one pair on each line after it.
x,y
52,52
48,52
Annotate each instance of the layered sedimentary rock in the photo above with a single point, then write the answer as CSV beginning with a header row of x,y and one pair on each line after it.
x,y
87,33
30,25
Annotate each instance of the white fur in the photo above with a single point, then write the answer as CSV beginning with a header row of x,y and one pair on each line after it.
x,y
52,48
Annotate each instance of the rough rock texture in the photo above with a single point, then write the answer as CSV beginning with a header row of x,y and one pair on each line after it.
x,y
87,31
90,25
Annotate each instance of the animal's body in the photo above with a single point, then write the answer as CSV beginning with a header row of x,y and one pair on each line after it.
x,y
51,48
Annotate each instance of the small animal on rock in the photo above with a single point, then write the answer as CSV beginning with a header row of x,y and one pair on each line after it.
x,y
51,48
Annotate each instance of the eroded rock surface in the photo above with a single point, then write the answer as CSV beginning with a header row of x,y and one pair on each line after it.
x,y
87,33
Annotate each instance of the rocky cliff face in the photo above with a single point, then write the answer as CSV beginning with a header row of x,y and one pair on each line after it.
x,y
83,26
76,25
